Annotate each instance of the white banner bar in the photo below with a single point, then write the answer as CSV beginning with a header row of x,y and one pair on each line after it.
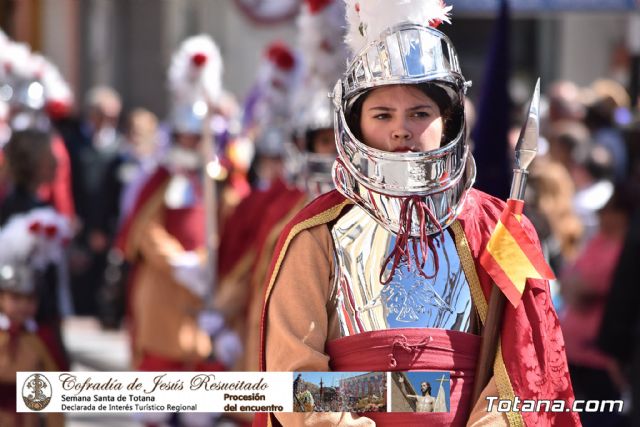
x,y
133,392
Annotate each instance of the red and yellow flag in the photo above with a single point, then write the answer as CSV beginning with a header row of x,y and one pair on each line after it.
x,y
511,257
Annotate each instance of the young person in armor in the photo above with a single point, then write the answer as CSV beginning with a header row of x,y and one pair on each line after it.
x,y
383,273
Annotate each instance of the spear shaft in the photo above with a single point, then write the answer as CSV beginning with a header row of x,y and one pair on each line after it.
x,y
210,206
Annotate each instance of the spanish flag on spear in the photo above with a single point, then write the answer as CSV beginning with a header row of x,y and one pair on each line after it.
x,y
511,257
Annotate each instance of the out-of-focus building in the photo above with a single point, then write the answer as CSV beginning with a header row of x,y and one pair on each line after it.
x,y
364,385
126,44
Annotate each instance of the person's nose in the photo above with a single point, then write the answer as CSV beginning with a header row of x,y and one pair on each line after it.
x,y
402,137
401,133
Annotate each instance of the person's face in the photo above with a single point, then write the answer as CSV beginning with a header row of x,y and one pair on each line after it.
x,y
270,168
140,141
424,387
100,118
187,141
324,142
401,118
17,307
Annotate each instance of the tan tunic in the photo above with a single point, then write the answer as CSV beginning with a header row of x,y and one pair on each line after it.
x,y
164,312
299,324
31,355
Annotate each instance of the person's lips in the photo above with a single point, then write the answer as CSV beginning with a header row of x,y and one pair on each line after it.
x,y
403,150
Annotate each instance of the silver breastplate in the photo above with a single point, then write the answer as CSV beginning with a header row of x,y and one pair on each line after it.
x,y
363,304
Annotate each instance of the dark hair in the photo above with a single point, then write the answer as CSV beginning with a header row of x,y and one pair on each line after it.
x,y
23,154
452,112
309,139
427,391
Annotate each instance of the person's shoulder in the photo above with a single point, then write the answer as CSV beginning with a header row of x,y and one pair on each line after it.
x,y
308,226
321,210
479,201
482,211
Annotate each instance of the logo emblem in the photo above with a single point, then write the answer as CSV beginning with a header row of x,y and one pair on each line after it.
x,y
36,392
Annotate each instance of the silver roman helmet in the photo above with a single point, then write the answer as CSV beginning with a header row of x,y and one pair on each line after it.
x,y
396,43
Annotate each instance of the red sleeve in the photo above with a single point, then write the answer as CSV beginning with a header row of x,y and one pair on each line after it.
x,y
58,193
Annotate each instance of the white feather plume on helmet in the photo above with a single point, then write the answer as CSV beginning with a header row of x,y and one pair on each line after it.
x,y
57,94
369,18
278,76
195,72
38,89
269,108
15,60
29,242
321,27
195,82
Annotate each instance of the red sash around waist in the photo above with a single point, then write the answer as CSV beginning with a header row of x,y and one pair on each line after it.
x,y
413,349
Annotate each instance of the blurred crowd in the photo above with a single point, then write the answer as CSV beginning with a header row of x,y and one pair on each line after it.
x,y
582,197
103,213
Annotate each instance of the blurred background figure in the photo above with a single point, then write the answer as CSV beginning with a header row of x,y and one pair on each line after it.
x,y
127,172
619,332
549,206
24,269
565,103
586,283
607,112
165,239
36,95
593,176
568,141
93,142
139,156
31,164
267,119
323,55
37,180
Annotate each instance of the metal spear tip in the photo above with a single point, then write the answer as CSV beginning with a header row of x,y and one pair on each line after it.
x,y
527,146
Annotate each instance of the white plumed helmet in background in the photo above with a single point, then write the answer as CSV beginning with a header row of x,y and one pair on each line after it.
x,y
29,242
323,53
321,29
195,83
269,110
32,86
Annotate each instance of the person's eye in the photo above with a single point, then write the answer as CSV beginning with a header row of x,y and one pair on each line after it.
x,y
421,114
382,116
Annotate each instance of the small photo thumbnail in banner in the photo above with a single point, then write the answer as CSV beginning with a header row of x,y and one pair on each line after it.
x,y
420,391
340,392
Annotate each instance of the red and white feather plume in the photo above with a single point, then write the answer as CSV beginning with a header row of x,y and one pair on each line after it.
x,y
278,76
321,27
195,72
369,18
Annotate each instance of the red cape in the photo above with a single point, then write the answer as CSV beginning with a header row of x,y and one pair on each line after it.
x,y
58,192
280,208
530,363
244,224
